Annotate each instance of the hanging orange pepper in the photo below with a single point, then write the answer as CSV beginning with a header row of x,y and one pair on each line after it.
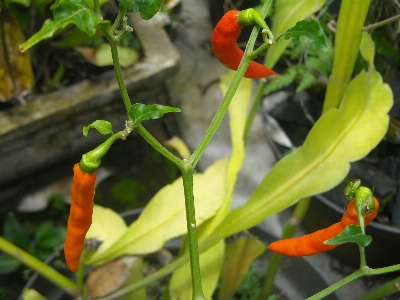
x,y
224,38
80,216
82,194
313,243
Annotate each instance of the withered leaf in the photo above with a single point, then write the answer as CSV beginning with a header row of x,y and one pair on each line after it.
x,y
16,73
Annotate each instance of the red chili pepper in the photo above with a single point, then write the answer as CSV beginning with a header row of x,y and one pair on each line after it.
x,y
225,48
80,216
313,243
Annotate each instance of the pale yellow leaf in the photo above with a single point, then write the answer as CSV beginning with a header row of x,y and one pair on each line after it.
x,y
31,294
339,137
107,226
177,144
164,217
180,286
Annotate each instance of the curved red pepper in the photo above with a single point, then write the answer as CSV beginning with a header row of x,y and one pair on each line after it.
x,y
313,243
225,48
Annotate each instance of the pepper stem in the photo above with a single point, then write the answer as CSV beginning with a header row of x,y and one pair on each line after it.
x,y
91,161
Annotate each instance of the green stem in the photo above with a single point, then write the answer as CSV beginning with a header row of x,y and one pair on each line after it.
x,y
253,109
347,41
357,274
381,23
39,266
97,11
160,148
118,20
118,70
260,88
187,177
384,290
194,158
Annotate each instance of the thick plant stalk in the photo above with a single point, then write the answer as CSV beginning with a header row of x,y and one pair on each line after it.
x,y
39,266
352,16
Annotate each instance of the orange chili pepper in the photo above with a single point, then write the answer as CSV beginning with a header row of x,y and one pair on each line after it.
x,y
80,217
313,243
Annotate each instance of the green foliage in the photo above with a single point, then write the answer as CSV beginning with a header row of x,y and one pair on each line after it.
x,y
102,126
146,8
41,242
67,12
310,29
286,14
141,112
127,190
351,234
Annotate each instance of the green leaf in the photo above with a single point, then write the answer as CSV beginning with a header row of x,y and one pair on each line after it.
x,y
164,216
8,264
339,137
31,294
15,232
68,12
286,14
310,29
351,234
25,3
284,80
47,236
141,112
146,8
367,48
239,255
102,126
307,79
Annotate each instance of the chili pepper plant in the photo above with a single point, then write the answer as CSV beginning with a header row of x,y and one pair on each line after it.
x,y
197,206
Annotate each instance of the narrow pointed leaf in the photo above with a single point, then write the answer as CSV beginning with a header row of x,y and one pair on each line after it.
x,y
67,12
210,267
141,112
351,234
239,255
165,218
339,137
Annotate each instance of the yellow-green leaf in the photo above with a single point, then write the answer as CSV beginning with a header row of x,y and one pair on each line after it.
x,y
286,14
210,267
164,217
178,145
339,137
107,226
367,48
239,255
101,56
31,294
